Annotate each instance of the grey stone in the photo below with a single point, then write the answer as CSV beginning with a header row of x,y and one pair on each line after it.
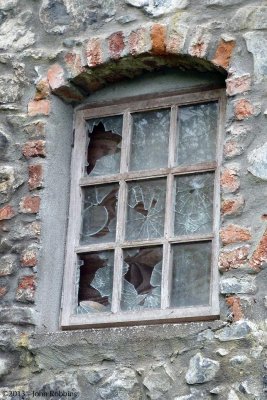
x,y
10,179
15,39
222,352
232,395
257,159
54,16
236,331
223,3
256,44
205,335
137,3
161,7
265,301
3,143
60,387
239,360
195,395
158,383
7,336
201,369
4,367
7,5
121,385
126,19
238,285
250,17
9,89
8,265
17,315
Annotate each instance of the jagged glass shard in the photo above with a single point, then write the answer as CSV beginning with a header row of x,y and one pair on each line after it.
x,y
191,274
197,133
104,151
146,209
99,215
95,284
194,204
141,286
150,138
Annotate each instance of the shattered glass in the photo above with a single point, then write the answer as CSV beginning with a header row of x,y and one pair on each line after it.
x,y
146,209
191,274
150,138
197,133
141,286
95,284
104,149
99,213
194,204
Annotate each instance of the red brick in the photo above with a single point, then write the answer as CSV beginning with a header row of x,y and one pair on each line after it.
x,y
94,52
139,41
234,234
232,206
229,181
260,254
233,303
116,44
74,63
223,53
233,259
3,291
26,289
35,176
40,107
35,148
158,37
243,109
42,90
30,204
55,76
6,212
28,258
239,84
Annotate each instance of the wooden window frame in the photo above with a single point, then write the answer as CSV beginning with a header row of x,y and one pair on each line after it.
x,y
146,316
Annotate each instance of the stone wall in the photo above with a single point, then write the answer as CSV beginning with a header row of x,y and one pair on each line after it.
x,y
53,55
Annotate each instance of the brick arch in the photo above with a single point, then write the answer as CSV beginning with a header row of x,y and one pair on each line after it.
x,y
104,60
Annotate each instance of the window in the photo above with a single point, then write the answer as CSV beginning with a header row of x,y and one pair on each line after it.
x,y
144,209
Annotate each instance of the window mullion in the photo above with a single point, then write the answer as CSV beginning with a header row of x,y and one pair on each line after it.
x,y
173,136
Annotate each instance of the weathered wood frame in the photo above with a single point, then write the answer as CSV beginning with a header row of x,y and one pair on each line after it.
x,y
69,320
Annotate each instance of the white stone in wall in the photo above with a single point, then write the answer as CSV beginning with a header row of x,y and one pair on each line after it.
x,y
258,162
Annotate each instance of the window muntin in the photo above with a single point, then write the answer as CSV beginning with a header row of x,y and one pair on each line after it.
x,y
147,204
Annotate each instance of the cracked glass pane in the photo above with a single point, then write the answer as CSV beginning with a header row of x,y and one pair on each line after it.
x,y
150,138
146,209
194,204
191,274
197,133
99,214
141,285
95,284
104,151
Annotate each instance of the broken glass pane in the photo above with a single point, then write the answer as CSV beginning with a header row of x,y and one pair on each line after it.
x,y
104,152
150,138
194,204
99,213
95,284
146,209
141,286
191,274
197,133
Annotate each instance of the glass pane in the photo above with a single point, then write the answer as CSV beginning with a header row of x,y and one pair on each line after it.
x,y
104,151
197,133
150,137
191,274
146,209
194,204
95,284
99,214
141,286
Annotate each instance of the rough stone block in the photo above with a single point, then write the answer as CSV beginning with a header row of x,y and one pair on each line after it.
x,y
259,257
42,90
233,303
6,212
139,41
8,265
17,315
233,206
35,176
30,204
116,44
158,38
28,258
243,285
35,148
238,84
234,234
3,291
243,109
94,52
236,331
223,53
229,180
257,44
26,289
257,159
40,107
200,42
233,258
55,76
201,369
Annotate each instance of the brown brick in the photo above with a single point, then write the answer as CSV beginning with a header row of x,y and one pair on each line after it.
x,y
55,76
158,37
260,254
239,84
35,148
233,303
139,41
3,291
42,90
94,52
28,258
40,107
243,109
26,289
232,206
74,63
234,234
35,176
233,259
6,212
229,181
30,204
223,53
116,44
